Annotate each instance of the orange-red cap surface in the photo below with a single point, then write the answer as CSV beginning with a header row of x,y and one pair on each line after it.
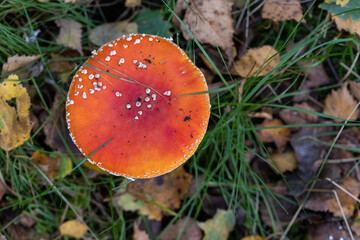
x,y
131,91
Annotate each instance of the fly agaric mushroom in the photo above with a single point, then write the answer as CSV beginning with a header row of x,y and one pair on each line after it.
x,y
135,94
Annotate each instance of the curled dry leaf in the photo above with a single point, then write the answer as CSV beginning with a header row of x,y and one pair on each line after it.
x,y
167,190
73,228
257,61
340,104
216,24
278,135
17,62
139,234
281,10
326,201
220,226
15,124
70,34
347,25
107,32
284,161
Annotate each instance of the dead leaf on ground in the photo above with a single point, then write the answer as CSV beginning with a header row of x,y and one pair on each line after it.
x,y
252,238
220,226
70,34
347,25
107,32
326,201
167,190
328,231
61,66
294,117
27,220
284,161
339,103
139,234
278,135
55,165
355,89
282,10
73,228
185,227
256,61
15,124
132,3
17,62
215,26
355,226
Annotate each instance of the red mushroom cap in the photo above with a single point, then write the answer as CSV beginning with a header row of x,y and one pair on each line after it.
x,y
132,91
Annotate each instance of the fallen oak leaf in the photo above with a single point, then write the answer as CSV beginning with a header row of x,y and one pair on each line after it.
x,y
15,123
339,103
259,61
281,10
284,161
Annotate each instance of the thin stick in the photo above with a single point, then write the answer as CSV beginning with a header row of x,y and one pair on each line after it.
x,y
343,214
343,189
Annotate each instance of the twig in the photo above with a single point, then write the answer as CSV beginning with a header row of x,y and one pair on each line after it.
x,y
350,70
347,68
292,221
343,189
343,214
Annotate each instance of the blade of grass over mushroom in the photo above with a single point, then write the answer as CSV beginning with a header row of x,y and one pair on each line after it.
x,y
87,157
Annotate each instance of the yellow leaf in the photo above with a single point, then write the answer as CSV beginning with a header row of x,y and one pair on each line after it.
x,y
252,238
255,62
15,124
94,167
281,10
284,161
70,34
342,3
340,104
219,226
73,228
347,25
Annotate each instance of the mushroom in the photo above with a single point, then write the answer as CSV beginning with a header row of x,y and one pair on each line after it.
x,y
136,94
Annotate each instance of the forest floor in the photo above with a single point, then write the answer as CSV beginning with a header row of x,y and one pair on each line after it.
x,y
280,156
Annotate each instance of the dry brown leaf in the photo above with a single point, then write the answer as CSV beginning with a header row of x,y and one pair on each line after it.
x,y
186,227
132,3
293,117
355,89
347,25
17,62
281,10
326,201
219,226
328,231
215,26
107,32
167,190
70,34
340,104
278,135
139,234
61,66
73,228
15,124
284,161
254,61
47,164
27,220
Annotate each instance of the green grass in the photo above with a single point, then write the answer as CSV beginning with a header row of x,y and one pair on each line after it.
x,y
220,161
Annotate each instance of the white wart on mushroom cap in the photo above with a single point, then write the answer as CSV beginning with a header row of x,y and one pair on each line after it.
x,y
133,91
